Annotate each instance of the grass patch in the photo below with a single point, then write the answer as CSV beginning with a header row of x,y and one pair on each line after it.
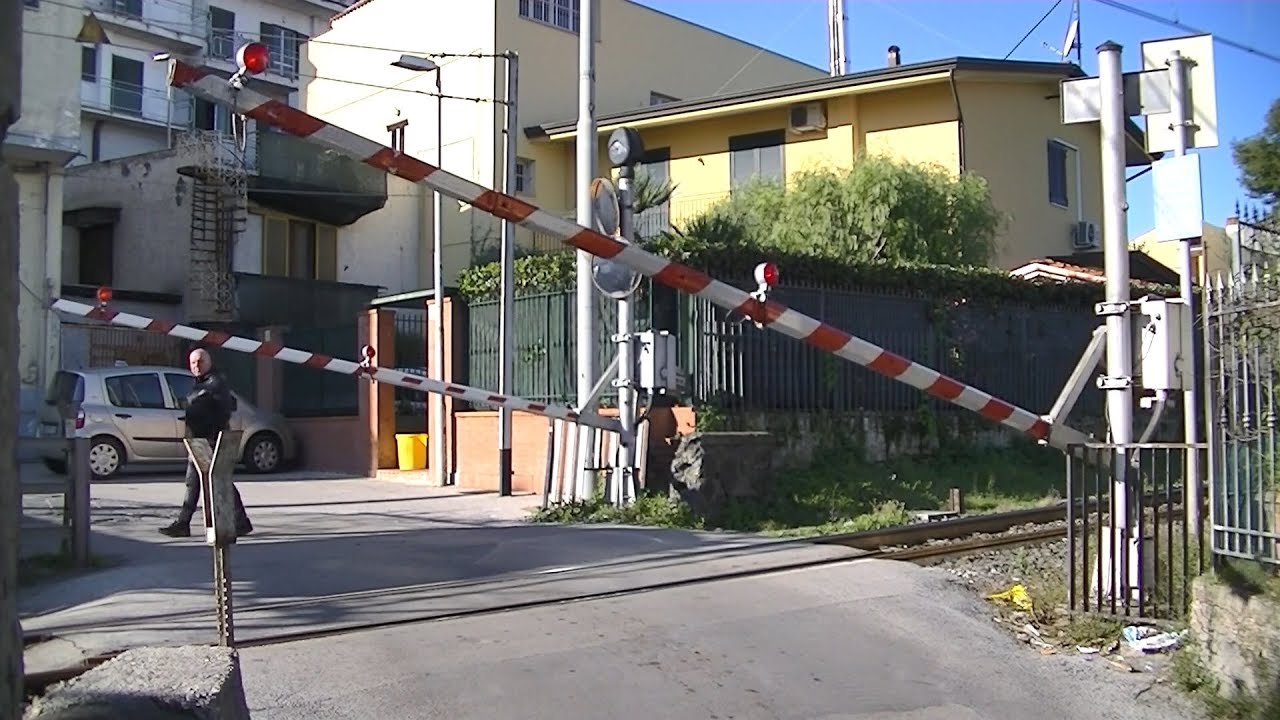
x,y
843,493
37,569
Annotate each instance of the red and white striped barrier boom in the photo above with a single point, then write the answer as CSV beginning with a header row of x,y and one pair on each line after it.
x,y
275,351
275,113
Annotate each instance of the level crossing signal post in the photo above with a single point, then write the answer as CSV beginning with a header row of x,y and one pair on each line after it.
x,y
1160,92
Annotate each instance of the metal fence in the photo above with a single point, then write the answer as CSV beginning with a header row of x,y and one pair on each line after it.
x,y
1136,556
311,392
1016,352
1242,321
410,356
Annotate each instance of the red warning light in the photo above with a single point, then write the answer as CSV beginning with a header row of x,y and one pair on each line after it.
x,y
767,274
253,58
104,295
368,352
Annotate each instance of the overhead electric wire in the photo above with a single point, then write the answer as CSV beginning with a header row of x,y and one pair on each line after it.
x,y
302,75
1033,29
1123,7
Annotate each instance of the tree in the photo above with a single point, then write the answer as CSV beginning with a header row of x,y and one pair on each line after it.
x,y
1258,158
881,210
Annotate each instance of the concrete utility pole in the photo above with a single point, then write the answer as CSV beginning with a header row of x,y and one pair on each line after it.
x,y
586,172
1115,234
506,315
1179,100
10,484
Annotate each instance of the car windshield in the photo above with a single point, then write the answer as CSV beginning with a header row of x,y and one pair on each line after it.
x,y
67,387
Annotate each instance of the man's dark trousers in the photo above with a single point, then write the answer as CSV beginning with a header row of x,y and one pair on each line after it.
x,y
193,497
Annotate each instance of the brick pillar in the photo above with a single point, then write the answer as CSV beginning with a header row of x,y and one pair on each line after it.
x,y
454,318
385,345
269,372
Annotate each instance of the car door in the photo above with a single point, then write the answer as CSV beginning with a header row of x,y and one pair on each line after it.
x,y
180,385
149,426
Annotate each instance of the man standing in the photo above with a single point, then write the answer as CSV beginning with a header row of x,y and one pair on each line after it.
x,y
209,408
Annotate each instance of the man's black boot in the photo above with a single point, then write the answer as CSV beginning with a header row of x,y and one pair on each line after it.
x,y
177,529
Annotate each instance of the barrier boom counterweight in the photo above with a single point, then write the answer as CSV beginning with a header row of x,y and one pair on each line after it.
x,y
264,109
275,351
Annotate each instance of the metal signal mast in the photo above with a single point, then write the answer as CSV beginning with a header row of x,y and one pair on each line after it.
x,y
837,59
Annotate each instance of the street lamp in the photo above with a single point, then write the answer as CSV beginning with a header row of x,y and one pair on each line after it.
x,y
436,319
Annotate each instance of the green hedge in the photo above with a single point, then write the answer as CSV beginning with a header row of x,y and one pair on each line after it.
x,y
555,273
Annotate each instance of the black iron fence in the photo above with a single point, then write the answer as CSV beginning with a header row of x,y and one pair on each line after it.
x,y
1133,550
410,357
1019,353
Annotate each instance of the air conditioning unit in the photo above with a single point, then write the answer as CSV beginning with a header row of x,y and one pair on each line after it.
x,y
807,117
1084,236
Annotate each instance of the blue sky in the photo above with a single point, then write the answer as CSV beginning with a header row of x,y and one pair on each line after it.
x,y
931,29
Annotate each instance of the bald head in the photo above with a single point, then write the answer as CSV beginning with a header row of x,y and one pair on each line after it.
x,y
200,362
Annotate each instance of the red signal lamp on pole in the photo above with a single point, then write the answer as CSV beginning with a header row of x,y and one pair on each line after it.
x,y
367,353
766,276
253,59
104,296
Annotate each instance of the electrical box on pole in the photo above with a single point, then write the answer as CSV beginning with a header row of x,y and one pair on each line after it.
x,y
659,368
1162,345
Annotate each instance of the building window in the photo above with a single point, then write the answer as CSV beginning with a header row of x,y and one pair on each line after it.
x,y
222,33
1057,163
126,85
657,98
285,46
128,8
96,256
524,176
397,135
33,4
557,13
756,156
89,64
299,249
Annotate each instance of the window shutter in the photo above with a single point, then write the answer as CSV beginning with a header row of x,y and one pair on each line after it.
x,y
326,252
275,247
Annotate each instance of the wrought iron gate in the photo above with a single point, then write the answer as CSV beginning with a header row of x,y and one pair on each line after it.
x,y
1242,338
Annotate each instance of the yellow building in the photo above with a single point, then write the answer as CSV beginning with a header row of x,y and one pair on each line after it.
x,y
1210,257
643,57
999,119
38,148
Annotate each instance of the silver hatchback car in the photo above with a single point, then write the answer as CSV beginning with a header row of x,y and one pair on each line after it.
x,y
134,415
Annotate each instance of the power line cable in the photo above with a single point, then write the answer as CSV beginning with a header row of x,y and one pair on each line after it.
x,y
302,75
1033,29
1187,28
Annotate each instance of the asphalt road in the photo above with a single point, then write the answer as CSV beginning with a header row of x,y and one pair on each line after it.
x,y
868,640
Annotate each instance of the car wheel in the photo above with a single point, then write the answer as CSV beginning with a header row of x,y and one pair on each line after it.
x,y
58,467
264,453
106,457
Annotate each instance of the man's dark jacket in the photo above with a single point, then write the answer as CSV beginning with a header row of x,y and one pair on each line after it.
x,y
209,406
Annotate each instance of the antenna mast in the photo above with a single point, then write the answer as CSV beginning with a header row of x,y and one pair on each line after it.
x,y
837,60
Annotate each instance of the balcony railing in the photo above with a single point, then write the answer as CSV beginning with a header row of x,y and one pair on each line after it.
x,y
185,22
137,102
284,57
299,177
675,214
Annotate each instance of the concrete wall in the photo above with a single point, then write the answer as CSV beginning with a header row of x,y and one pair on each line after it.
x,y
1239,638
1012,156
45,137
153,237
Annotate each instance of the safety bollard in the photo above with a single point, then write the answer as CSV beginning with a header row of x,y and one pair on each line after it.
x,y
215,464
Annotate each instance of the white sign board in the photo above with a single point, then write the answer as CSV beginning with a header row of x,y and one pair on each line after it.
x,y
1198,50
1144,93
1179,207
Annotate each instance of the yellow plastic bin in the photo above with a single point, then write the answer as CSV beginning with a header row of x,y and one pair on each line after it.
x,y
411,450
